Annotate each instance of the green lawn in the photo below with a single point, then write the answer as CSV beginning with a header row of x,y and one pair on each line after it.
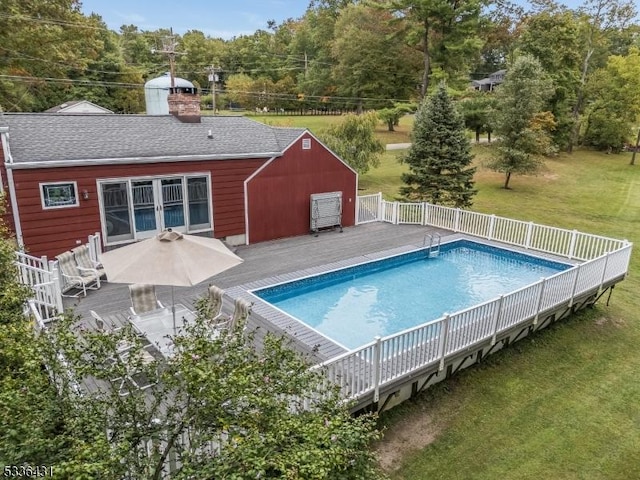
x,y
564,404
315,123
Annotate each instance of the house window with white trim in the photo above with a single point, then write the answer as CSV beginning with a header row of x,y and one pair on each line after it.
x,y
306,144
59,194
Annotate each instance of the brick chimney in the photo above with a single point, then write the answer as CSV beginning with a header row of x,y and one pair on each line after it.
x,y
184,106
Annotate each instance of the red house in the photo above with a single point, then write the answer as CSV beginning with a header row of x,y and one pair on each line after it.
x,y
131,176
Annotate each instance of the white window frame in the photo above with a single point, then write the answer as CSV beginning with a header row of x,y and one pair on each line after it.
x,y
306,144
42,187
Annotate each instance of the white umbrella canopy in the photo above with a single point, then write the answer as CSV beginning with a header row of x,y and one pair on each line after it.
x,y
169,258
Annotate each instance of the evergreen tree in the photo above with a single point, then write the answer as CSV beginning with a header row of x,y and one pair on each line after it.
x,y
439,156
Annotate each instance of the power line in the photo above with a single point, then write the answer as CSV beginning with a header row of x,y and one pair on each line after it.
x,y
271,95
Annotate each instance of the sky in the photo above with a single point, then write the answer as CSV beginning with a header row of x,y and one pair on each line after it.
x,y
215,18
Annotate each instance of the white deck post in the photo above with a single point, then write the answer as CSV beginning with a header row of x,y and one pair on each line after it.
x,y
527,242
492,226
604,271
376,368
575,285
572,245
444,334
456,225
496,319
380,211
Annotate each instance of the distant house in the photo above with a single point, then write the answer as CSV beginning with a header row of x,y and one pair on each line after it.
x,y
131,176
78,106
490,82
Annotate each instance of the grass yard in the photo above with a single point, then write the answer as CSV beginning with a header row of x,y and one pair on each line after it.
x,y
563,404
316,123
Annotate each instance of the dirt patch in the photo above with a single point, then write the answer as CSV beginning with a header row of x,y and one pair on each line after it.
x,y
412,433
605,320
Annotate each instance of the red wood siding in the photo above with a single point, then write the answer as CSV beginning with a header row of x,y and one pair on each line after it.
x,y
279,195
50,232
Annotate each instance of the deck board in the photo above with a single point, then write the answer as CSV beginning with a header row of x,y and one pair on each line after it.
x,y
268,259
286,259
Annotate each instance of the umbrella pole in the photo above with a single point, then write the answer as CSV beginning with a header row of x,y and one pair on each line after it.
x,y
173,311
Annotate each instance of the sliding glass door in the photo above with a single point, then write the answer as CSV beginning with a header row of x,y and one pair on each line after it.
x,y
141,208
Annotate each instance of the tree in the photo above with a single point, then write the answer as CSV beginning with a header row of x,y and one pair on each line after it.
x,y
552,36
30,430
446,32
391,116
615,109
599,18
42,40
239,90
519,121
371,59
439,156
354,141
221,408
476,111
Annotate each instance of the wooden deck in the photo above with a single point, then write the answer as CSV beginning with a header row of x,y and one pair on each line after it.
x,y
267,259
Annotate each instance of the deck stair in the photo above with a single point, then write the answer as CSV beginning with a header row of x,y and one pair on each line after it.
x,y
433,241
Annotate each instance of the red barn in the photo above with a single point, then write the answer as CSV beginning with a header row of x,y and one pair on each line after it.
x,y
131,176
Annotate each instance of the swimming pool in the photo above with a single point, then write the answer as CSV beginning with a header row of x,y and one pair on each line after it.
x,y
352,305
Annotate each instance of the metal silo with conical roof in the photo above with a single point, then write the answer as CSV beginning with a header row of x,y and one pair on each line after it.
x,y
156,92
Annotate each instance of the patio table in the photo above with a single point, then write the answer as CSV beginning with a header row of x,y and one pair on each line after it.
x,y
157,326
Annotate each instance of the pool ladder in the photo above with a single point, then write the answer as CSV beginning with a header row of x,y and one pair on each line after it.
x,y
434,244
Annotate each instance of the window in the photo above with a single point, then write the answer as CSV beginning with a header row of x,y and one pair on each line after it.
x,y
306,144
198,193
117,217
59,194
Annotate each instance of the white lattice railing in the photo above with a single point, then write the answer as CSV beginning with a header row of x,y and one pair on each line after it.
x,y
371,367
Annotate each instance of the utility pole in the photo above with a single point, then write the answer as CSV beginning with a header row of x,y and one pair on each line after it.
x,y
212,80
169,48
306,65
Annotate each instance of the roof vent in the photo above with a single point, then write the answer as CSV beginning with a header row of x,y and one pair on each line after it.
x,y
210,134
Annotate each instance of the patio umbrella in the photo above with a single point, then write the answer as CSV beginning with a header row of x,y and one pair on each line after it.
x,y
169,258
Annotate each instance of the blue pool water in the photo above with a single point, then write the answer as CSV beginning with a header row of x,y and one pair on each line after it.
x,y
353,305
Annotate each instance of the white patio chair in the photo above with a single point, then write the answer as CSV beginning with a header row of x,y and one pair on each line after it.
x,y
241,311
216,295
75,278
143,299
84,262
137,376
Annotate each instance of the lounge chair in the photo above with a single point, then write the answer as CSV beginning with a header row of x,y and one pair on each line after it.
x,y
76,281
84,262
143,299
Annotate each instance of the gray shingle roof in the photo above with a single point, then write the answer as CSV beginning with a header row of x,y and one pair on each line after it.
x,y
59,137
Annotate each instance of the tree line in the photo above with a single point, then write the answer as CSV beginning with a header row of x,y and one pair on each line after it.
x,y
341,54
